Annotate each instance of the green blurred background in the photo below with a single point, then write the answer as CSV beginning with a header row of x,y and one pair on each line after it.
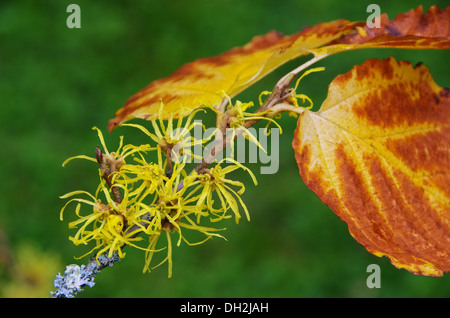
x,y
57,83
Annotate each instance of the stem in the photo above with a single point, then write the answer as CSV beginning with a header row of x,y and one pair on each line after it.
x,y
287,79
221,112
286,107
107,170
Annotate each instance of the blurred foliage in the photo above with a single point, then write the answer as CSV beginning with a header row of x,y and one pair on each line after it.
x,y
57,83
29,272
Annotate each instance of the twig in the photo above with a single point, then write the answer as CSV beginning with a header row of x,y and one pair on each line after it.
x,y
75,277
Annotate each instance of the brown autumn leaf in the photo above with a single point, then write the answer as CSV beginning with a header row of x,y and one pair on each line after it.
x,y
378,154
412,30
200,82
405,28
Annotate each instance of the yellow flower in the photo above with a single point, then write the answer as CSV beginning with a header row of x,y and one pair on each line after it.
x,y
114,159
290,103
238,115
144,177
110,221
170,219
214,181
169,211
174,141
108,224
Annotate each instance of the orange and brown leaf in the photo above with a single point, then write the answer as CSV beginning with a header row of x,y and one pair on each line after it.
x,y
378,154
202,82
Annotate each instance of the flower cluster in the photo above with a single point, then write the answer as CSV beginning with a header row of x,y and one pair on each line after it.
x,y
139,201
